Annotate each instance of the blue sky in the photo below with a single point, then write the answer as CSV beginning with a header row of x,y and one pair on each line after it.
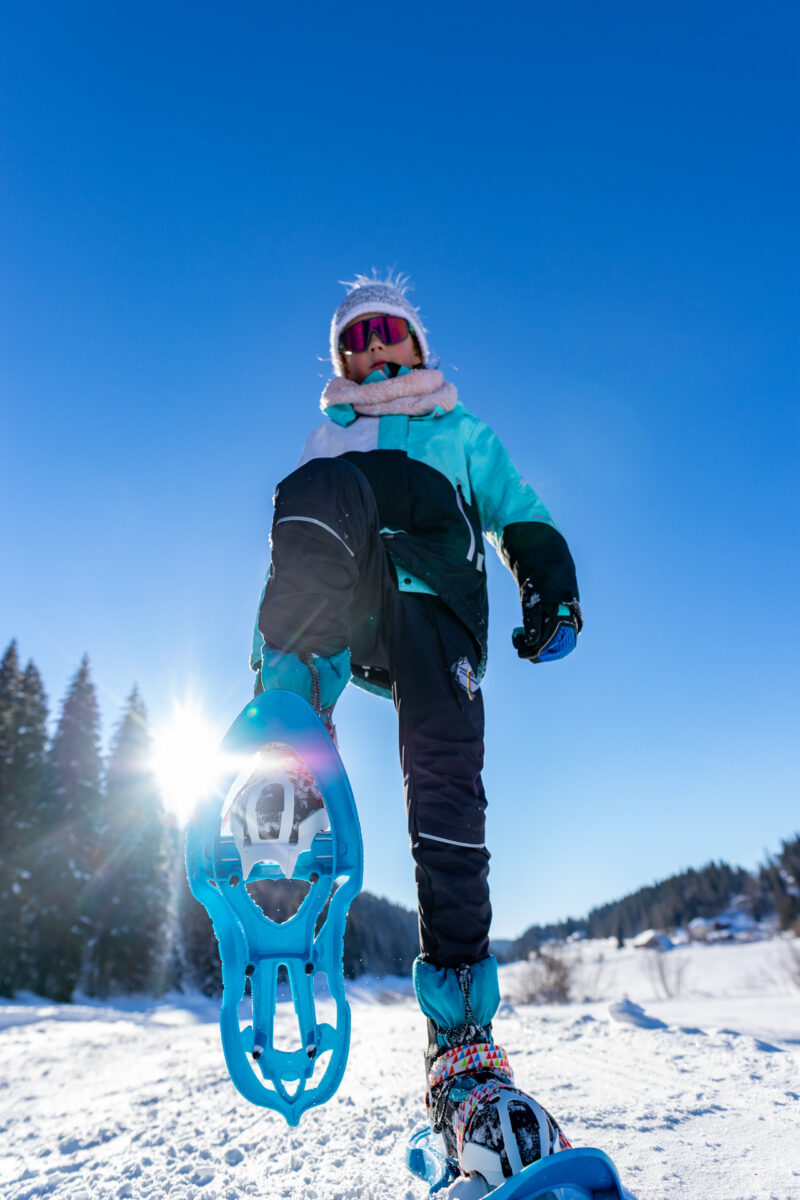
x,y
597,205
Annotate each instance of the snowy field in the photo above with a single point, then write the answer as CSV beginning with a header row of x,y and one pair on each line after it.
x,y
695,1097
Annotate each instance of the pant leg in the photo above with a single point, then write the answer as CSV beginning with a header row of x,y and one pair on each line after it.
x,y
331,586
441,746
330,578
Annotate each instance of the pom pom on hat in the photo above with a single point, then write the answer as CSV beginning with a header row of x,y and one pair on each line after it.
x,y
368,294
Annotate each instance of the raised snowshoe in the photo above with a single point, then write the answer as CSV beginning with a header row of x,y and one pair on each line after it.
x,y
285,812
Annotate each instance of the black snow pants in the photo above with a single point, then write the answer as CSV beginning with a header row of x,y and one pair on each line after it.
x,y
332,585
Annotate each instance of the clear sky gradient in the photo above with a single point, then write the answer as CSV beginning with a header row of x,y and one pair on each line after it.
x,y
598,206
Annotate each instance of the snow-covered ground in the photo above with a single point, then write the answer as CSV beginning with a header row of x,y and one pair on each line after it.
x,y
695,1097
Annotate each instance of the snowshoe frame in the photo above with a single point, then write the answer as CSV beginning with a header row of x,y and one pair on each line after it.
x,y
254,947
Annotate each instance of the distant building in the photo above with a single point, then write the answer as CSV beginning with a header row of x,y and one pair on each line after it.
x,y
651,939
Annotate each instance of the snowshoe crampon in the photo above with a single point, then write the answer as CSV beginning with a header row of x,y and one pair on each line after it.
x,y
575,1174
284,813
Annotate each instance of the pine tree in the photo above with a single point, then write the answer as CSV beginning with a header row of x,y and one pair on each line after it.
x,y
66,826
30,766
31,782
23,720
128,949
9,688
10,680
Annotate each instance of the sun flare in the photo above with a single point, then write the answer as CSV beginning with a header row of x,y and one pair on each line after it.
x,y
186,759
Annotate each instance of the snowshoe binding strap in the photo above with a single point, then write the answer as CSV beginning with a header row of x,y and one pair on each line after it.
x,y
476,1058
249,831
484,1093
466,1060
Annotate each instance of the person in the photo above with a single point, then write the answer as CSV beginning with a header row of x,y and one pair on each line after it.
x,y
378,574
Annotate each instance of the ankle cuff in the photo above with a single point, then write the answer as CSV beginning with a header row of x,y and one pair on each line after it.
x,y
442,999
287,671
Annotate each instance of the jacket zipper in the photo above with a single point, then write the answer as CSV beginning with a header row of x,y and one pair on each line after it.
x,y
460,502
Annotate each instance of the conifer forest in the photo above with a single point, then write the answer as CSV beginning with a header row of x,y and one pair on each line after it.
x,y
93,893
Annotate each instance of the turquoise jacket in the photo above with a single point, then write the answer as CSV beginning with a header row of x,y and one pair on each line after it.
x,y
442,482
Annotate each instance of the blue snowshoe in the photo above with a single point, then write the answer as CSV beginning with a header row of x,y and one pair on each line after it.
x,y
285,813
569,1174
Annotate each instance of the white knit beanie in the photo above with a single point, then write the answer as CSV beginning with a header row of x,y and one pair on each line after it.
x,y
369,294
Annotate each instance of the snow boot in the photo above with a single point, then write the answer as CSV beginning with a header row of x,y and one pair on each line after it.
x,y
490,1129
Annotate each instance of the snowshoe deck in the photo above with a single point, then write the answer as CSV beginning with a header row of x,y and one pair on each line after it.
x,y
246,832
578,1174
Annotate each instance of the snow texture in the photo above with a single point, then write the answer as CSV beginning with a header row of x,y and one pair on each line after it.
x,y
694,1097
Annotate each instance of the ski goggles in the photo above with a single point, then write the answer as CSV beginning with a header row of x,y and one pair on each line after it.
x,y
357,337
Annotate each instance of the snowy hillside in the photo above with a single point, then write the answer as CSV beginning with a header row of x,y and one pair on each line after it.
x,y
695,1097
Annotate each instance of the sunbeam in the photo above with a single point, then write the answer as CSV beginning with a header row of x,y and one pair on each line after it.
x,y
185,758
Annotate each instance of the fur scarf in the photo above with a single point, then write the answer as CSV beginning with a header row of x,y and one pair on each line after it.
x,y
411,395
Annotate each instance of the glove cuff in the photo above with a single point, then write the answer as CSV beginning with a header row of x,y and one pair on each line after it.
x,y
575,608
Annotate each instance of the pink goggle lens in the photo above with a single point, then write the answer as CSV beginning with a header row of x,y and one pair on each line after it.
x,y
357,337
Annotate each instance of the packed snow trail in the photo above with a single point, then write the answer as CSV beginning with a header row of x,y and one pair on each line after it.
x,y
97,1102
